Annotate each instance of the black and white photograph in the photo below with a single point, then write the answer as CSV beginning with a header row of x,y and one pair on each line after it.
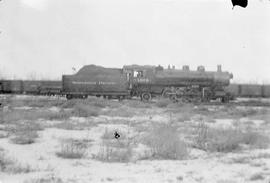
x,y
134,91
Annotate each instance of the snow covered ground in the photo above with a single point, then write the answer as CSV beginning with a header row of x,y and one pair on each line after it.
x,y
38,162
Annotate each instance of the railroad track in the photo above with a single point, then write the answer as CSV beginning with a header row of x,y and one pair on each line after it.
x,y
242,103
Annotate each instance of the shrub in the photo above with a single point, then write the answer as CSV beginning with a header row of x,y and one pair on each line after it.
x,y
62,114
11,166
164,143
25,133
25,137
218,140
227,140
249,112
49,179
114,150
256,177
72,149
108,153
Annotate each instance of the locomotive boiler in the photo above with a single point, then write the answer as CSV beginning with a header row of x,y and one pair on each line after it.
x,y
178,84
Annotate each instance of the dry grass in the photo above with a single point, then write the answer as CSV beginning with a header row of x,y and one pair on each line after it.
x,y
27,137
256,177
183,117
71,125
34,114
82,110
114,150
108,153
227,140
109,134
241,160
120,112
163,102
96,102
49,179
137,104
34,102
61,115
16,115
25,133
11,166
73,149
165,143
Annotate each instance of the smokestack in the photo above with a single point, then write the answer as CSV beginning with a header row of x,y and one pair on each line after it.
x,y
219,68
201,68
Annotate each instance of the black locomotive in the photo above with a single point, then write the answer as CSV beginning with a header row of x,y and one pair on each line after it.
x,y
141,81
147,82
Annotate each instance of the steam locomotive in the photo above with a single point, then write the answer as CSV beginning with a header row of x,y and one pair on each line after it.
x,y
147,82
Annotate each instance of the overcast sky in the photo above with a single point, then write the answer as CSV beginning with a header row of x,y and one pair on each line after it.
x,y
49,37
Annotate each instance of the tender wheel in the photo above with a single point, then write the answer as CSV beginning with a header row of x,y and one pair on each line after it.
x,y
146,96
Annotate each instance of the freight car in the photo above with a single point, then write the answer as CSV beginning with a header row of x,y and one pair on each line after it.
x,y
11,86
249,90
36,87
147,82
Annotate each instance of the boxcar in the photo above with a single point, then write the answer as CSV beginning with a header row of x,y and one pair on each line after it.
x,y
11,86
50,87
266,90
250,90
31,87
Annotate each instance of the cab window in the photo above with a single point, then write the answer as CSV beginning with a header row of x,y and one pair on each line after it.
x,y
138,74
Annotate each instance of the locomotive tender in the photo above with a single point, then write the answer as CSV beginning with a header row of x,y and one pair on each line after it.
x,y
147,82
